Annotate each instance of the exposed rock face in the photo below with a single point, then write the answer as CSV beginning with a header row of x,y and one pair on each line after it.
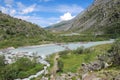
x,y
99,17
93,66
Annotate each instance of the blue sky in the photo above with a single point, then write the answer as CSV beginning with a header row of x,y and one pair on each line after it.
x,y
44,12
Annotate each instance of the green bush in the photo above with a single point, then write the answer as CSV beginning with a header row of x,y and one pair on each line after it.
x,y
23,74
22,68
2,61
79,50
115,52
60,66
64,53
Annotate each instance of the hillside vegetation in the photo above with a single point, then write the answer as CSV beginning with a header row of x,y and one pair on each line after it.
x,y
16,32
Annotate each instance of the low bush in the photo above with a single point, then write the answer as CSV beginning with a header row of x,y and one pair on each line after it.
x,y
22,68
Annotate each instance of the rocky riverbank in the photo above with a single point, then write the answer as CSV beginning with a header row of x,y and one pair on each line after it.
x,y
11,57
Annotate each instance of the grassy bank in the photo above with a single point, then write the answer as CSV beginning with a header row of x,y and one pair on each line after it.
x,y
19,41
73,59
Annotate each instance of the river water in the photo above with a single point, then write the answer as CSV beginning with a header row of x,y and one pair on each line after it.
x,y
47,49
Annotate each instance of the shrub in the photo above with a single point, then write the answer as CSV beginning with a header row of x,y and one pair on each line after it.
x,y
22,68
79,50
64,53
115,50
60,66
2,61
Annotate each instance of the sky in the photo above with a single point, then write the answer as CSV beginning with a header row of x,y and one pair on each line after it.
x,y
44,12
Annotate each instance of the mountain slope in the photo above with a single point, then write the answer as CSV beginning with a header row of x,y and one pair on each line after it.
x,y
102,16
60,26
16,31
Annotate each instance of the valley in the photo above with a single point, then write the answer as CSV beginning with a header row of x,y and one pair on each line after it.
x,y
85,47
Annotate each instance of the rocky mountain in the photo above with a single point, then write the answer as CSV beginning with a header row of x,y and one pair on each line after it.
x,y
103,16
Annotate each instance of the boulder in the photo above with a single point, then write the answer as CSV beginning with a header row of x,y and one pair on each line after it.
x,y
117,77
93,66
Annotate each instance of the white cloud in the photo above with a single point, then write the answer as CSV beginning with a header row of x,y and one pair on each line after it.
x,y
3,9
45,21
12,12
28,9
66,16
23,9
7,10
39,20
20,5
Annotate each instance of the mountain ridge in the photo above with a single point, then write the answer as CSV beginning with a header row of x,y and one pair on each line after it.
x,y
99,18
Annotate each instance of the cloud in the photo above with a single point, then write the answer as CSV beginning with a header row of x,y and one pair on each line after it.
x,y
66,16
12,12
7,10
28,9
67,10
23,9
3,9
41,21
20,5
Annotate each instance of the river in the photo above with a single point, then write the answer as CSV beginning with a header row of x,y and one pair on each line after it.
x,y
47,49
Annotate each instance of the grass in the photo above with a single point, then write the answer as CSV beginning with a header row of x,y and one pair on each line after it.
x,y
24,74
108,73
77,38
50,59
22,68
21,41
72,62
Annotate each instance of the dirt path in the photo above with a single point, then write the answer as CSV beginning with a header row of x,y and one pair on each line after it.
x,y
55,67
